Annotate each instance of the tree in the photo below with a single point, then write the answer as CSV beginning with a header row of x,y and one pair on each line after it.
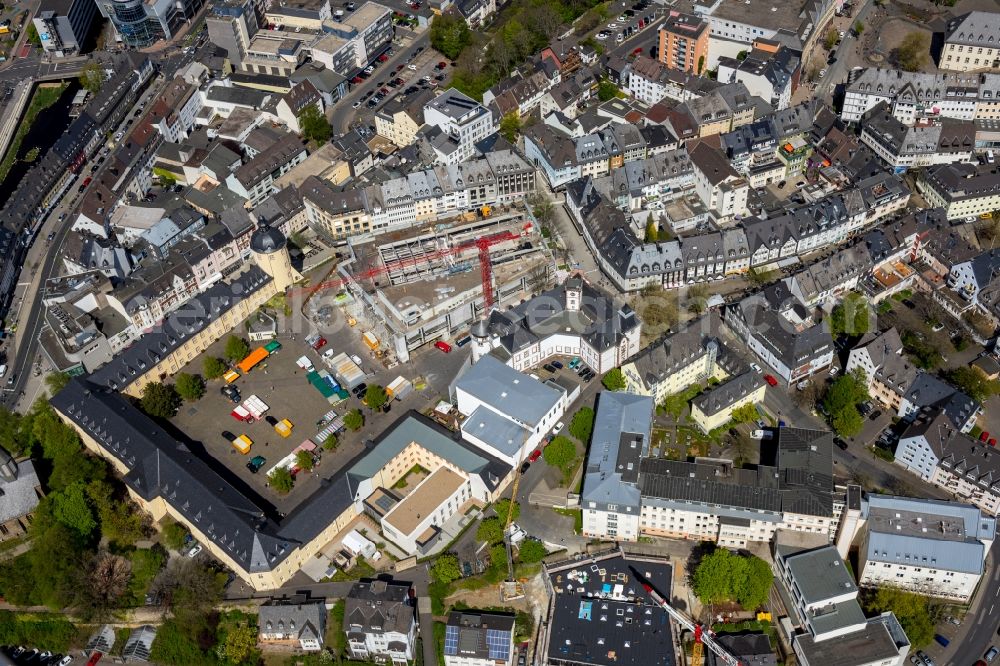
x,y
490,530
974,382
724,576
850,317
614,380
697,298
236,349
446,569
606,90
375,397
213,367
913,611
701,64
160,400
331,442
71,508
745,414
831,39
498,556
652,229
56,381
842,400
561,452
92,77
531,551
510,126
742,55
304,460
582,424
314,125
912,52
173,646
450,35
354,420
281,480
240,645
502,507
173,535
190,387
103,580
859,28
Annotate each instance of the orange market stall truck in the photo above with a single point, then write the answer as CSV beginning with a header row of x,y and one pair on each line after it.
x,y
242,444
399,388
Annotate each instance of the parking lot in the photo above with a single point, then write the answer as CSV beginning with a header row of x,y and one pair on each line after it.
x,y
421,71
631,20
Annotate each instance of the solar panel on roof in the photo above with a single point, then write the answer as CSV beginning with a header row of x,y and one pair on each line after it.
x,y
451,640
498,643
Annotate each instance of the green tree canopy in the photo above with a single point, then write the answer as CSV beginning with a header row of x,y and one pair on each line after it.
x,y
746,414
56,381
614,380
831,38
190,387
582,424
304,460
652,230
914,612
912,52
314,125
842,400
859,28
213,367
531,551
446,568
331,442
850,317
606,90
503,506
354,420
160,400
724,576
490,530
561,453
510,126
450,35
31,34
92,77
375,396
240,645
281,480
236,349
974,382
71,508
173,535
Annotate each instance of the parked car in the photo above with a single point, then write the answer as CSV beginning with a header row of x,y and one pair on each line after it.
x,y
231,392
558,429
256,463
319,344
194,551
524,466
770,380
991,654
841,444
443,346
535,455
228,436
360,389
548,367
558,365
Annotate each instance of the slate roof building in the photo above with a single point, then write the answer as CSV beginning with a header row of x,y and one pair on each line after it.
x,y
21,491
971,43
931,547
479,638
751,649
297,622
380,621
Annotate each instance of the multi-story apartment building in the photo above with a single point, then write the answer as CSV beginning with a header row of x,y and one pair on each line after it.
x,y
63,25
232,24
479,638
939,453
723,191
931,547
400,118
683,42
970,42
255,179
714,408
769,71
463,119
962,190
927,143
174,112
352,42
832,628
913,95
380,621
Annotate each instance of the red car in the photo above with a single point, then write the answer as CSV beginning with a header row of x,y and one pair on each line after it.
x,y
442,65
535,455
443,346
356,80
637,51
984,435
993,441
319,344
383,58
770,380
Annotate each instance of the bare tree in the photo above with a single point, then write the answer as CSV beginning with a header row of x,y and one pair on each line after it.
x,y
104,578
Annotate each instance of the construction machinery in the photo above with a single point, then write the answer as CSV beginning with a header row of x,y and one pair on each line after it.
x,y
483,245
703,637
511,588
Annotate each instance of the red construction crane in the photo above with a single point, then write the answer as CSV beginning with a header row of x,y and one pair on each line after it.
x,y
702,636
483,244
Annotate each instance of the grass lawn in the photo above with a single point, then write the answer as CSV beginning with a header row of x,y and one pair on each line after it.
x,y
576,515
45,96
361,570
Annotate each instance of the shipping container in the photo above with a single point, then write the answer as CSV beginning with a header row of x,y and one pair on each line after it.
x,y
255,357
399,388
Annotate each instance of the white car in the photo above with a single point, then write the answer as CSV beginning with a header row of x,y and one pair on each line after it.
x,y
194,551
65,660
822,72
623,19
355,105
412,67
612,25
558,428
601,36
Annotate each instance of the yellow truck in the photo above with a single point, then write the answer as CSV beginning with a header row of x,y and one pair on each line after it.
x,y
242,444
370,340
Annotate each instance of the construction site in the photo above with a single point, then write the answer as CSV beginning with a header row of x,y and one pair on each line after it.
x,y
424,285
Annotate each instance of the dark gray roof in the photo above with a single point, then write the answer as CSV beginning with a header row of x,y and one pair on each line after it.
x,y
266,240
752,650
729,392
473,634
376,606
304,619
621,438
